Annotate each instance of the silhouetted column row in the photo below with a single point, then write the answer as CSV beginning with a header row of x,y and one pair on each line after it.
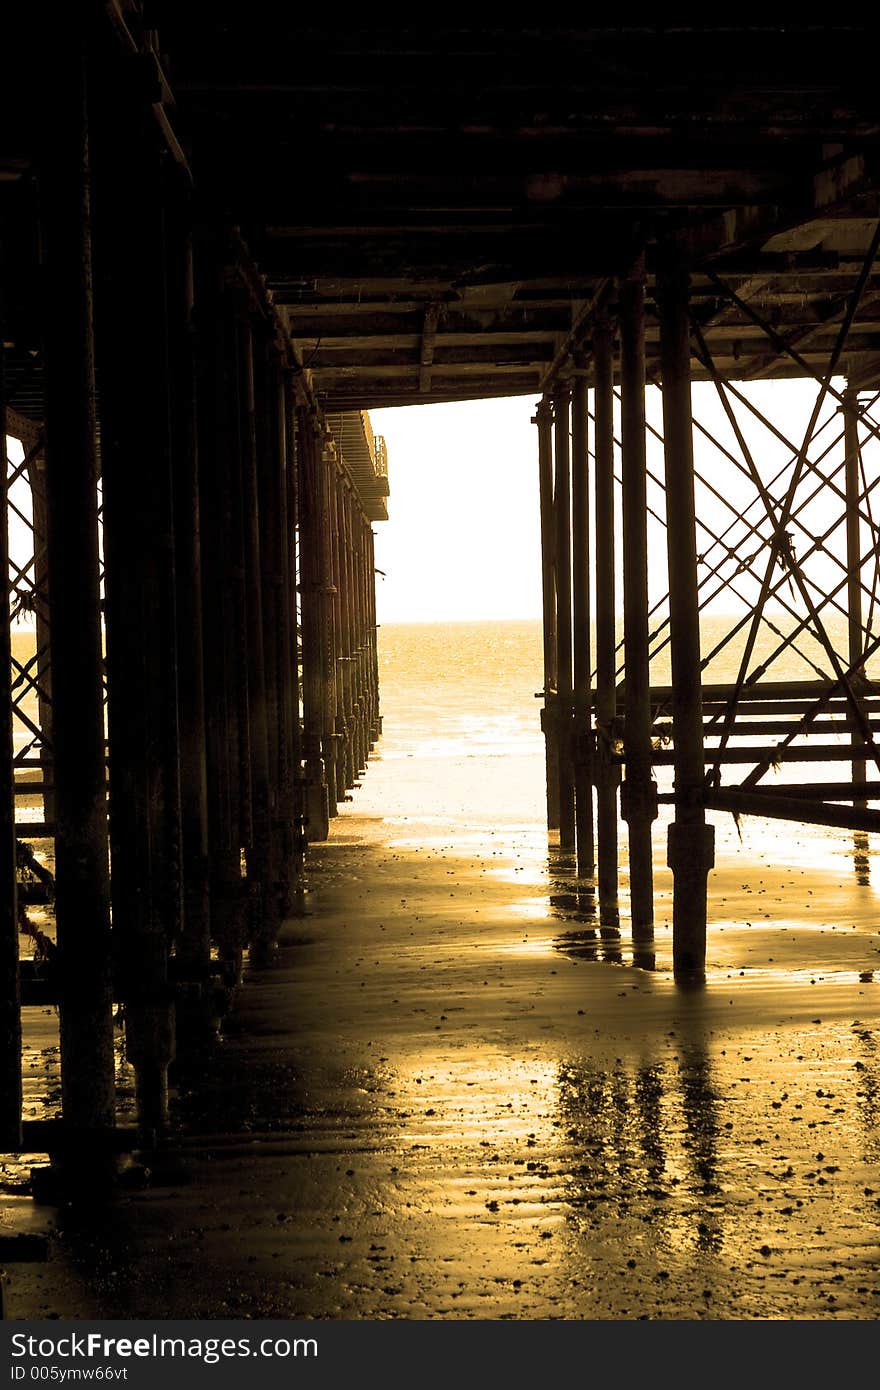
x,y
339,654
563,476
192,520
580,752
231,526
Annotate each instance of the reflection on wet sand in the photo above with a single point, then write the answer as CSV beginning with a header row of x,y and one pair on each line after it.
x,y
419,1114
574,898
868,1094
861,858
647,1134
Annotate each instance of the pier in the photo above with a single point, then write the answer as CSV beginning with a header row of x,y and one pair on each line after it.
x,y
223,243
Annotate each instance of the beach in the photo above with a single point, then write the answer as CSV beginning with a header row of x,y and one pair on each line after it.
x,y
451,1097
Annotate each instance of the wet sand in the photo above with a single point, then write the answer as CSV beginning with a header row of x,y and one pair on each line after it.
x,y
441,1102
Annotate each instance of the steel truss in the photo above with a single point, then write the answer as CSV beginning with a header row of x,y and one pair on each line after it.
x,y
792,545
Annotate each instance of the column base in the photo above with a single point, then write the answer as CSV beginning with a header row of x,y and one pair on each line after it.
x,y
150,1047
316,810
690,848
690,854
638,801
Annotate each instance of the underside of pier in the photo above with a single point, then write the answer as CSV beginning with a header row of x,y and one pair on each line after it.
x,y
225,238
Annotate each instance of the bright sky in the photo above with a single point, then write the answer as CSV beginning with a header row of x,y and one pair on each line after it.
x,y
463,535
463,538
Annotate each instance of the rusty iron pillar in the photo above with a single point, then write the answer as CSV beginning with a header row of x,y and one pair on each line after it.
x,y
691,841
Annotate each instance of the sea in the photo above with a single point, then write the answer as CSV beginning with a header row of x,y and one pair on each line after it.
x,y
462,753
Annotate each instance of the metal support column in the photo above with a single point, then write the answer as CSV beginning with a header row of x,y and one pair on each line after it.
x,y
638,794
580,540
352,754
544,420
359,749
194,945
856,641
10,991
142,672
281,636
272,506
607,771
360,526
327,632
216,402
291,635
373,630
358,752
341,729
81,867
263,921
316,801
564,680
691,841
